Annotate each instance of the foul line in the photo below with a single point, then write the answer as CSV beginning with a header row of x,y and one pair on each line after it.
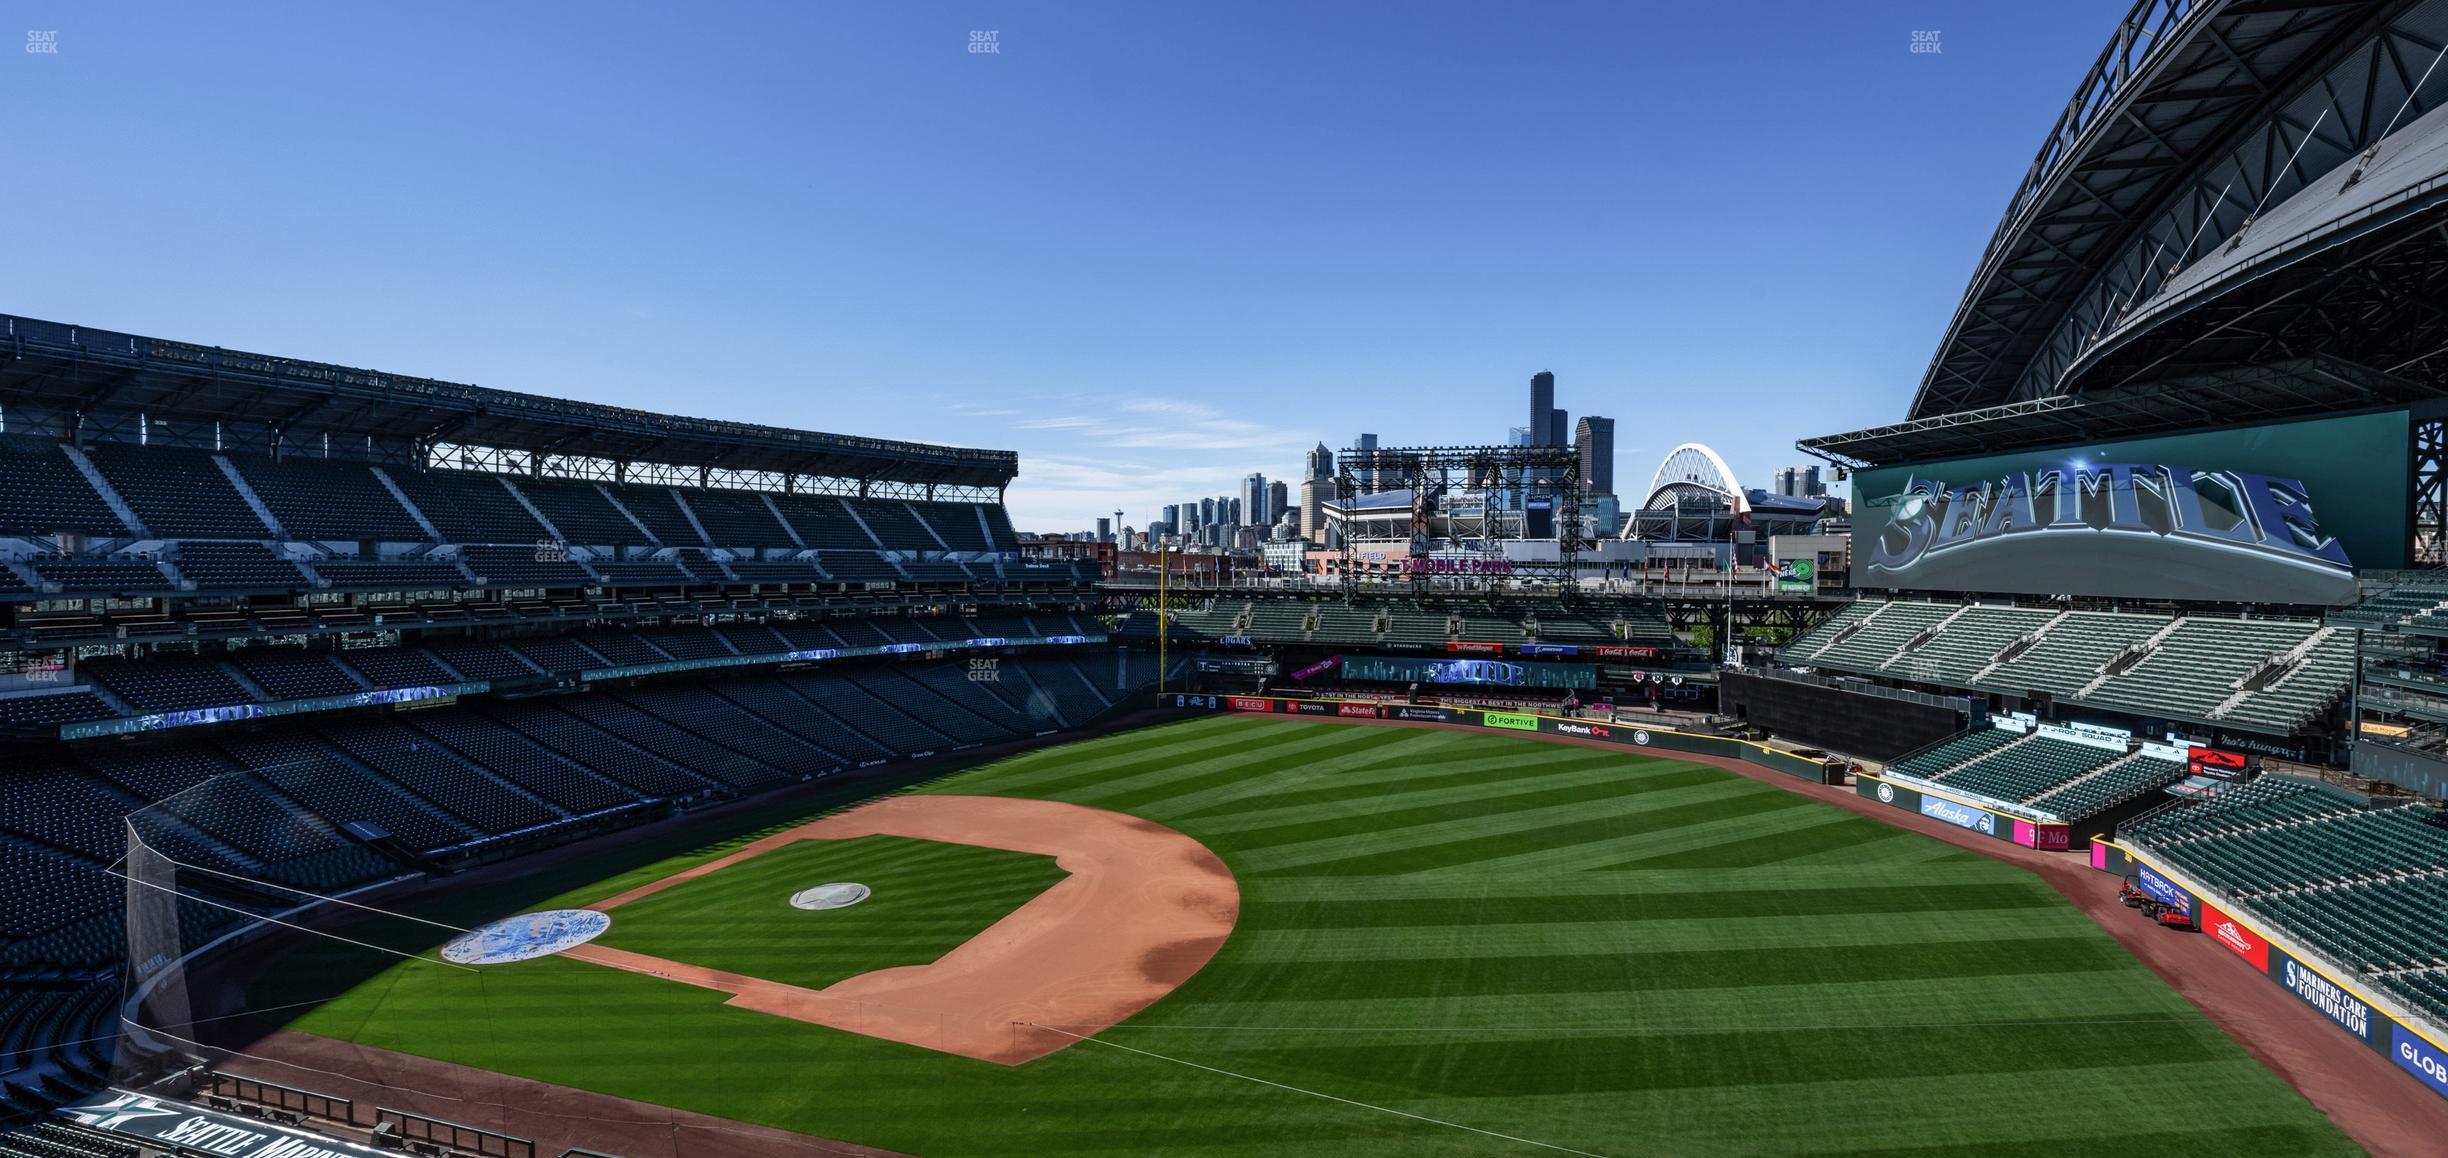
x,y
1315,1093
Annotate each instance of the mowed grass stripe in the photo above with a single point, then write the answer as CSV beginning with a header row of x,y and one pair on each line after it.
x,y
1493,841
1148,798
1510,808
1170,756
1582,784
1754,829
1512,788
1607,1064
1517,909
1823,1003
1399,771
1573,973
1466,933
1841,831
1259,801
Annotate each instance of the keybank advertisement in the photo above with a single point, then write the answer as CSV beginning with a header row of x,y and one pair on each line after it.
x,y
1496,672
2276,514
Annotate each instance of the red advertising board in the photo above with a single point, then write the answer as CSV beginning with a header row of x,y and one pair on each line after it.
x,y
2227,931
1469,648
2214,762
1248,704
1610,651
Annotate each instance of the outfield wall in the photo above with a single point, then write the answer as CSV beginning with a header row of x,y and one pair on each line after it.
x,y
2380,1023
1986,820
1824,716
1629,735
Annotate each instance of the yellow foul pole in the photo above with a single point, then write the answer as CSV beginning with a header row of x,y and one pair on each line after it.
x,y
1163,630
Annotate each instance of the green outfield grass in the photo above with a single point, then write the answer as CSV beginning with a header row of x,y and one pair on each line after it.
x,y
1610,953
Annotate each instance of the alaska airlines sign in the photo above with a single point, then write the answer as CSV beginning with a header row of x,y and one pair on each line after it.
x,y
2188,533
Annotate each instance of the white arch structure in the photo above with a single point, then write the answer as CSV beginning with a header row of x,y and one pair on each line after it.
x,y
1694,467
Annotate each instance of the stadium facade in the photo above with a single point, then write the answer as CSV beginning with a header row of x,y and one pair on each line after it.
x,y
310,629
2167,507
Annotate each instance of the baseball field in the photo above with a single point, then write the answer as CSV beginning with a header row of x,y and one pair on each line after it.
x,y
1443,943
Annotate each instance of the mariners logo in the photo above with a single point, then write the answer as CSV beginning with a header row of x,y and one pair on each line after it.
x,y
118,1110
1886,793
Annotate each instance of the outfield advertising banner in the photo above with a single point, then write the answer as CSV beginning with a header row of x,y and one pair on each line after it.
x,y
2282,513
2315,989
1979,820
2228,931
2411,1047
2419,1058
2050,837
1486,672
2163,890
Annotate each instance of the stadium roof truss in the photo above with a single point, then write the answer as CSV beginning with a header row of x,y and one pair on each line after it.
x,y
80,376
2198,115
2234,396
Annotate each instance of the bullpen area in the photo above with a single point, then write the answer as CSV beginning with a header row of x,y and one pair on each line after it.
x,y
1438,943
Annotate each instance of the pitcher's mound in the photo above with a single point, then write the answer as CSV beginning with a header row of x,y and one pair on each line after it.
x,y
839,895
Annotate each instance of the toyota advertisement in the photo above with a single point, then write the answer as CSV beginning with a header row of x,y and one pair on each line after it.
x,y
2271,514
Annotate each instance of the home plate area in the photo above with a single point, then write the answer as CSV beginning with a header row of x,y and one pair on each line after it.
x,y
973,919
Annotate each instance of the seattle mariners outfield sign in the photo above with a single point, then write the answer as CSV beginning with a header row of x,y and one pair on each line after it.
x,y
195,1130
2209,533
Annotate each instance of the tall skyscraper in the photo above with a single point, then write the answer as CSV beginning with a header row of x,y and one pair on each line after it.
x,y
1207,512
1594,444
1321,463
1253,498
1364,472
1543,425
1172,515
1104,529
1315,494
1800,482
1279,497
1559,428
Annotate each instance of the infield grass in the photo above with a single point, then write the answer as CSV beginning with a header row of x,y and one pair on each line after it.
x,y
1587,949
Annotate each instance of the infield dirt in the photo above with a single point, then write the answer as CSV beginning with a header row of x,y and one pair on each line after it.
x,y
1143,908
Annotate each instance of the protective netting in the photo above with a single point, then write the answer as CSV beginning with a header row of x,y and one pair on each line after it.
x,y
285,930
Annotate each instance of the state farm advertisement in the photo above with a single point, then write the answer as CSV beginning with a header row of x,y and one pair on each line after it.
x,y
2226,930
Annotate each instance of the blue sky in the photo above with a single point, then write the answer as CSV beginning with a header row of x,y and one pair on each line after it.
x,y
1152,247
